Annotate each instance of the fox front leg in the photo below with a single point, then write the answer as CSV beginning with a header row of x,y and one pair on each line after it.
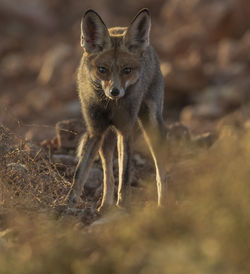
x,y
124,162
106,153
89,148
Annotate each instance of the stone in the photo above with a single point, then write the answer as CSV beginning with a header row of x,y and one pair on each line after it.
x,y
178,131
69,132
64,159
38,133
184,79
205,139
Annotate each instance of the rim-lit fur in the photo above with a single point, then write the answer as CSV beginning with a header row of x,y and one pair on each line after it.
x,y
120,84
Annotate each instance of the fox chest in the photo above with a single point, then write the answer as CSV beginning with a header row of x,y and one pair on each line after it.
x,y
99,118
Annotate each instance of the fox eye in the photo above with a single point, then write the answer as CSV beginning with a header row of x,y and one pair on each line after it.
x,y
127,70
102,70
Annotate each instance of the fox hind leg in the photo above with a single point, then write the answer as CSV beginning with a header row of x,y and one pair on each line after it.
x,y
89,148
154,131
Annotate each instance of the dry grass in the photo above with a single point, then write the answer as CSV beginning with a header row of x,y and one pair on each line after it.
x,y
28,178
203,229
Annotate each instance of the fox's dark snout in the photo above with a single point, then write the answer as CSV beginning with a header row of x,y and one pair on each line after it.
x,y
115,92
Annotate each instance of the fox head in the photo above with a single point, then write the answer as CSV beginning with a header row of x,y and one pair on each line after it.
x,y
113,56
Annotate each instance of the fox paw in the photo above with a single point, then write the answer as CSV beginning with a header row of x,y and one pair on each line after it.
x,y
102,209
73,199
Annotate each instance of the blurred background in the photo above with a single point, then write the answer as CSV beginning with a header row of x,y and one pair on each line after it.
x,y
204,49
203,45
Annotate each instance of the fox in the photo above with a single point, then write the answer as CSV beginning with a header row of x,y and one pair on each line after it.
x,y
120,86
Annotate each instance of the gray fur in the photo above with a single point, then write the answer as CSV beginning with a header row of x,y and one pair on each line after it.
x,y
105,118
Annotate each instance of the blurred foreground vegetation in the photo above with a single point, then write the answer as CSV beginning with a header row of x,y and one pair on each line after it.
x,y
203,47
203,229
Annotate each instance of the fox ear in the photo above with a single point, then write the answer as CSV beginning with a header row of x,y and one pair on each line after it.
x,y
137,36
94,33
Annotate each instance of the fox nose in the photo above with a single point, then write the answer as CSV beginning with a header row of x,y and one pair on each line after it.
x,y
115,92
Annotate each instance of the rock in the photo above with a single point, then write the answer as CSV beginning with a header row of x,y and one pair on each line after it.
x,y
216,101
68,133
234,51
201,111
185,79
39,133
177,132
223,73
227,97
191,117
64,159
205,139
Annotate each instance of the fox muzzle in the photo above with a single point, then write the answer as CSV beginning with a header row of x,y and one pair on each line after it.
x,y
115,93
